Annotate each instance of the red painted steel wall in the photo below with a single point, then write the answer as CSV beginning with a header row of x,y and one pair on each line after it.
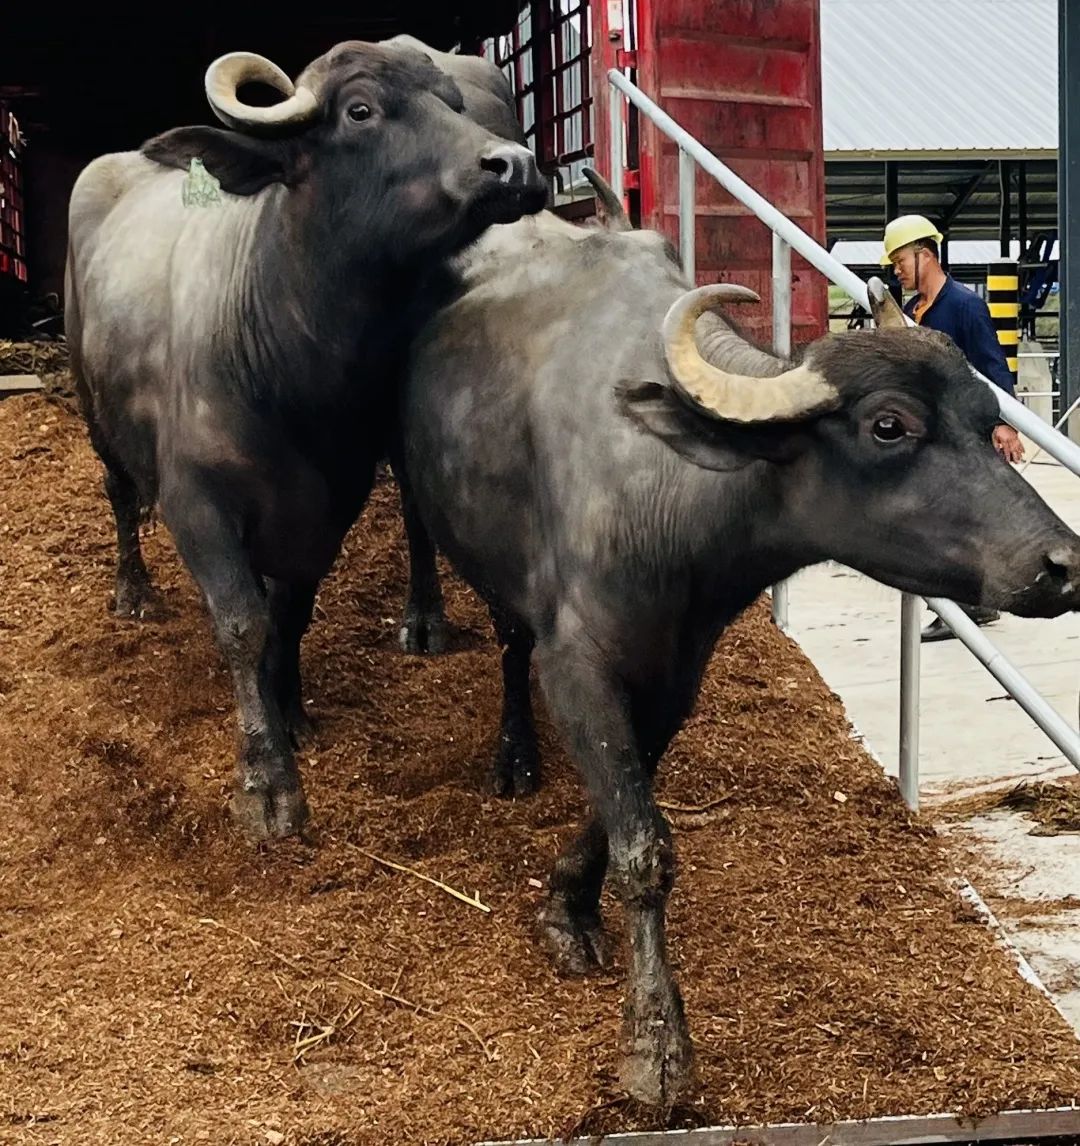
x,y
744,77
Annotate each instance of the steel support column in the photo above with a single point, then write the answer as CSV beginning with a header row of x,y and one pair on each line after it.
x,y
892,191
892,209
1021,205
1069,204
1005,217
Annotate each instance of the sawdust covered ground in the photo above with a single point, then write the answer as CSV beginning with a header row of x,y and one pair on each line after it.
x,y
161,981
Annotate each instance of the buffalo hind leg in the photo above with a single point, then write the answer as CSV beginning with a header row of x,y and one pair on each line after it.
x,y
135,594
593,714
424,627
517,759
571,927
268,798
291,604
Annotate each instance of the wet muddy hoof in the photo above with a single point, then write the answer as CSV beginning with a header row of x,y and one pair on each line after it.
x,y
517,770
269,813
578,944
424,631
138,600
658,1067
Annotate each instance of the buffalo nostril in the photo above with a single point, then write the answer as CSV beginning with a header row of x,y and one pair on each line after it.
x,y
498,165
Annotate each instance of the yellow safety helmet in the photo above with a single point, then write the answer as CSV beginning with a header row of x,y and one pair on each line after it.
x,y
906,229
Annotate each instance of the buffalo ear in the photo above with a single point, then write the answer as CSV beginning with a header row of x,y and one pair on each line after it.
x,y
242,164
701,440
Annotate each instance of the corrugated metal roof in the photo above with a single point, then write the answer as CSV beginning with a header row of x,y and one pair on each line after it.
x,y
939,75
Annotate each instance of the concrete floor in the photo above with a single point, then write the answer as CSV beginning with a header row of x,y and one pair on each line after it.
x,y
972,737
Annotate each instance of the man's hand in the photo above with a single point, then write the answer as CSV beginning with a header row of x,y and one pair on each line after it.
x,y
1007,443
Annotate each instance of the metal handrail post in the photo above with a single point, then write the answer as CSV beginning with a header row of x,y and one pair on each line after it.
x,y
910,680
687,216
781,336
616,142
1057,426
1016,413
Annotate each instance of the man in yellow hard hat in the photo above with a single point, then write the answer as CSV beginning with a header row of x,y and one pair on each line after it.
x,y
911,247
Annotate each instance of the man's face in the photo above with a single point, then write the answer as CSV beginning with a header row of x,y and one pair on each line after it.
x,y
905,261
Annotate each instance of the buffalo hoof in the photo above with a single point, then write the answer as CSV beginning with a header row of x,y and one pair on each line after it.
x,y
517,769
577,943
137,600
301,725
269,813
424,631
659,1063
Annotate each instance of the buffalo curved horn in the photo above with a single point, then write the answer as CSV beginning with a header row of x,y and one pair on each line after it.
x,y
789,397
618,220
228,72
883,306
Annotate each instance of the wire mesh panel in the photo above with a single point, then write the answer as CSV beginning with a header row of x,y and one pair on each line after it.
x,y
546,60
571,115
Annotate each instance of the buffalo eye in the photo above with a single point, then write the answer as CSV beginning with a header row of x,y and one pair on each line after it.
x,y
358,112
889,428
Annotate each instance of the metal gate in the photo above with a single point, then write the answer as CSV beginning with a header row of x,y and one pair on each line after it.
x,y
547,59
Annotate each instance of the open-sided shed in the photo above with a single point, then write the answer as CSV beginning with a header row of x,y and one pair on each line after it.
x,y
947,110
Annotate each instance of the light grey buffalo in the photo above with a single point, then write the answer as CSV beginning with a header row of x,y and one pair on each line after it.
x,y
619,475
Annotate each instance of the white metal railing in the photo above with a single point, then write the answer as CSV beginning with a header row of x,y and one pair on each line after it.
x,y
1057,425
787,236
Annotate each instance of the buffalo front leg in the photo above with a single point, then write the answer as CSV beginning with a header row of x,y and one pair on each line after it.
x,y
571,925
424,628
517,759
291,604
593,714
268,798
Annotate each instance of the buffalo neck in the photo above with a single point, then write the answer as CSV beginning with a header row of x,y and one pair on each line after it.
x,y
325,313
744,540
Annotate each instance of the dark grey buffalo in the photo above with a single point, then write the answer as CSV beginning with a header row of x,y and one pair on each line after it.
x,y
619,480
234,344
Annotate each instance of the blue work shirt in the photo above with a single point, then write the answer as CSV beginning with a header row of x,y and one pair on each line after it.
x,y
965,318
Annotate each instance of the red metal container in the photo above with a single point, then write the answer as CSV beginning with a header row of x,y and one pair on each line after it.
x,y
743,76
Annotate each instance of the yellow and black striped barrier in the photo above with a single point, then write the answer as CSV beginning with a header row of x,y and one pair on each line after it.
x,y
1003,298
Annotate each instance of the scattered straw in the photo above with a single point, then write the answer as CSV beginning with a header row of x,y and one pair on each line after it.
x,y
1054,806
694,809
403,1002
324,1032
420,1008
472,901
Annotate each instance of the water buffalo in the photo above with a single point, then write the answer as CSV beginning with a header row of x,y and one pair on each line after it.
x,y
619,481
234,343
